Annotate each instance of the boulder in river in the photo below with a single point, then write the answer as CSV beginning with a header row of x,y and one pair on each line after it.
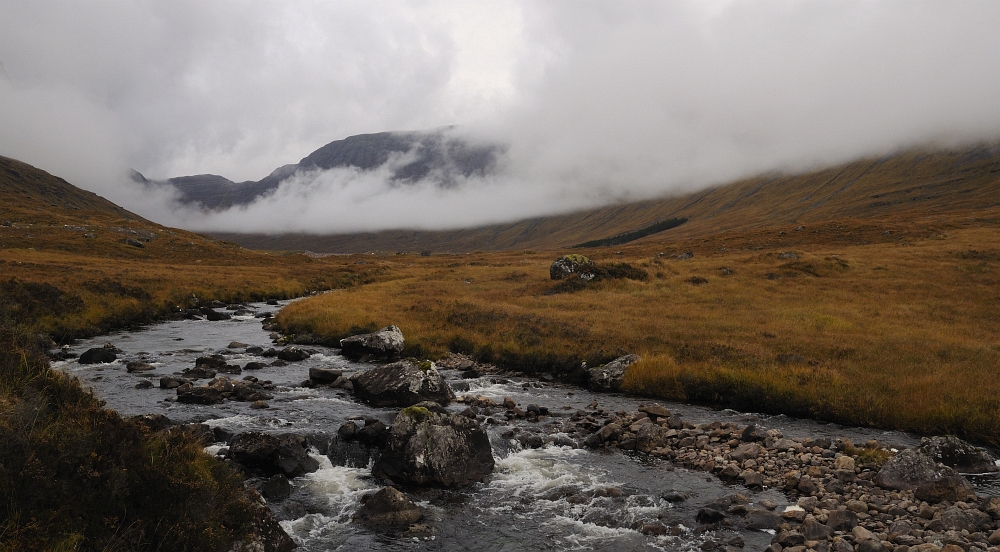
x,y
215,316
439,450
215,362
385,344
170,382
268,454
609,377
188,393
958,454
139,366
388,509
98,355
402,383
199,372
324,375
293,354
908,469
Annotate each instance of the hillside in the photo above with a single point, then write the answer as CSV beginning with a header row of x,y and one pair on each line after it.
x,y
78,476
115,268
906,184
433,151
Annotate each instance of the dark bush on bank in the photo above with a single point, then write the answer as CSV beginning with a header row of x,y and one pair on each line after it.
x,y
76,476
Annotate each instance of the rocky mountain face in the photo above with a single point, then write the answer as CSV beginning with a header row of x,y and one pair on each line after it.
x,y
421,154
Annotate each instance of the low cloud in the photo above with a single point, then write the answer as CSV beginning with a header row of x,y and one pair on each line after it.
x,y
594,102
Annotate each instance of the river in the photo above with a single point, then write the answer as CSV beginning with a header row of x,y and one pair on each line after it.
x,y
551,498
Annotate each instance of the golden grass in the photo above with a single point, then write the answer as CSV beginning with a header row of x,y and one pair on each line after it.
x,y
900,332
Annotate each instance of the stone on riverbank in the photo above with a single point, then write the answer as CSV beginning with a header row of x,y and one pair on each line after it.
x,y
908,469
958,454
439,450
385,344
609,377
401,384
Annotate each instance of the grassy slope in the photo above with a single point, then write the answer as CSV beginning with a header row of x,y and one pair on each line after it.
x,y
908,182
54,233
74,476
887,320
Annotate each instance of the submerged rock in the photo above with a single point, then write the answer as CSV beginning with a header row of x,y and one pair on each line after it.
x,y
139,366
402,383
439,450
609,377
385,344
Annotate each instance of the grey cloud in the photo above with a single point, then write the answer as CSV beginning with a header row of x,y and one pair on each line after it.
x,y
595,101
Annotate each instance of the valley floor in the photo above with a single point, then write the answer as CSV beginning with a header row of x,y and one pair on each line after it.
x,y
889,322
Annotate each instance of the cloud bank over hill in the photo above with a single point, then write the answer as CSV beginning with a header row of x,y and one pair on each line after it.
x,y
594,102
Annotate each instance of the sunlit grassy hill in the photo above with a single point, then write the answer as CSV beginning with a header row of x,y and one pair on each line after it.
x,y
905,184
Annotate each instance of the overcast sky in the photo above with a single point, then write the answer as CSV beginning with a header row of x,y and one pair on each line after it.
x,y
597,101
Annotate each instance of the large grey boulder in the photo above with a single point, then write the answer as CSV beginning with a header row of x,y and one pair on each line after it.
x,y
609,377
909,469
437,450
958,454
403,383
267,454
385,344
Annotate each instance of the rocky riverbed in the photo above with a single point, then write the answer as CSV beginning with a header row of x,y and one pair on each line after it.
x,y
568,468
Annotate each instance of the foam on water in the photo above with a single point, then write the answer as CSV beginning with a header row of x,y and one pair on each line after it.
x,y
341,489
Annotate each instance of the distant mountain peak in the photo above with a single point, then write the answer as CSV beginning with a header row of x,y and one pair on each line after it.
x,y
436,154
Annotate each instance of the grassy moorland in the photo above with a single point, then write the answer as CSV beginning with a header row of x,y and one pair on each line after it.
x,y
73,475
889,322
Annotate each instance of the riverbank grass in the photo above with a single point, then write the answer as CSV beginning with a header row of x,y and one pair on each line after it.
x,y
841,324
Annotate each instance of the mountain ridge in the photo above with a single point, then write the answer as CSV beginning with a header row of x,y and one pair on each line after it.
x,y
916,180
432,152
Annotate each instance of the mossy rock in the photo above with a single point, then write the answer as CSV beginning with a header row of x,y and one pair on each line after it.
x,y
566,265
